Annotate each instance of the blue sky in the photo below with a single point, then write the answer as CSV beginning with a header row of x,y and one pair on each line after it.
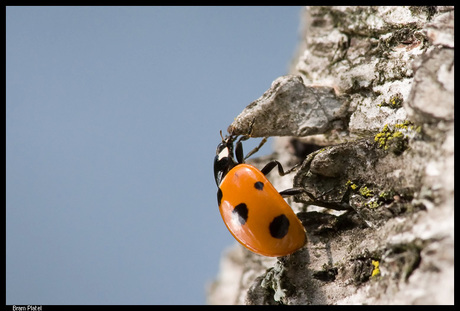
x,y
112,121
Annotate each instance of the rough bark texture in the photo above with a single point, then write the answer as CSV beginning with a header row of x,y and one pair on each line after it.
x,y
369,111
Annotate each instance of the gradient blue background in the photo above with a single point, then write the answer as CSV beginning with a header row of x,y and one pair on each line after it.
x,y
112,120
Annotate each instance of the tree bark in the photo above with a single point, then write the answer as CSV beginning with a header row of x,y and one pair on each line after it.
x,y
368,108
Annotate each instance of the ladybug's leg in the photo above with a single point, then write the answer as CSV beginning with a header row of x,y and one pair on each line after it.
x,y
239,149
240,158
256,148
239,152
295,191
291,191
315,201
271,165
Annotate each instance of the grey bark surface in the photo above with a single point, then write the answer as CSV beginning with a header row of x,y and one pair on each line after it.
x,y
368,109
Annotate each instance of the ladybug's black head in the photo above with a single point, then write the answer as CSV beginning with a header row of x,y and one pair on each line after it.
x,y
224,160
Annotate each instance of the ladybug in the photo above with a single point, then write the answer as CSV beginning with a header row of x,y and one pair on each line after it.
x,y
254,212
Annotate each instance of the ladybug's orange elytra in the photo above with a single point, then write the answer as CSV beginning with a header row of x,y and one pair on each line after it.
x,y
256,214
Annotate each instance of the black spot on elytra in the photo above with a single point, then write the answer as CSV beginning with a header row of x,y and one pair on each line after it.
x,y
219,196
279,226
241,211
259,185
